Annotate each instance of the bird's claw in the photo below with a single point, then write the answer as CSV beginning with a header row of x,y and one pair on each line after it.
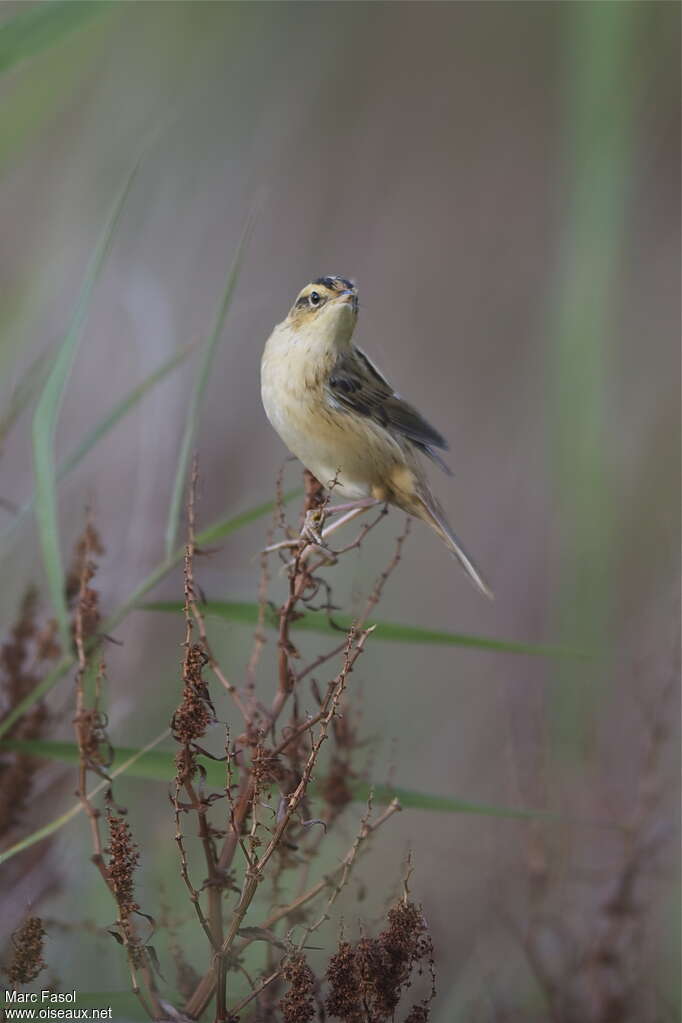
x,y
312,528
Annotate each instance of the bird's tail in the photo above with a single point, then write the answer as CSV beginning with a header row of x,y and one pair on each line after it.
x,y
429,511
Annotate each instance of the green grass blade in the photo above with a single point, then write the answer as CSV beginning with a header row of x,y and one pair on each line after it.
x,y
203,372
107,423
155,765
45,422
410,799
42,25
216,531
245,613
149,763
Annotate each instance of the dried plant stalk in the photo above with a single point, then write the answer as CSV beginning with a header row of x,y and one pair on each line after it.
x,y
117,869
264,759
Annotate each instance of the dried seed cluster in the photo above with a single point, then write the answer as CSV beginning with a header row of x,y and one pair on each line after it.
x,y
366,981
343,1000
194,714
267,767
297,1005
124,857
27,952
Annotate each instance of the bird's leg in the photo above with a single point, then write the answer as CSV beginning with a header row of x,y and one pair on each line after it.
x,y
358,508
351,509
362,502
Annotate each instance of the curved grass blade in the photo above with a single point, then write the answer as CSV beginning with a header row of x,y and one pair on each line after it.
x,y
160,766
42,25
192,418
245,613
101,428
45,421
216,531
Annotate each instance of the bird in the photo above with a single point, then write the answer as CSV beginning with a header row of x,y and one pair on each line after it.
x,y
337,413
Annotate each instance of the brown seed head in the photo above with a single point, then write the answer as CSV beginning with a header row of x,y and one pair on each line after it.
x,y
27,952
123,859
297,1005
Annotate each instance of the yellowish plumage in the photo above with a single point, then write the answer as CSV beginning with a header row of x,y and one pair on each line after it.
x,y
340,417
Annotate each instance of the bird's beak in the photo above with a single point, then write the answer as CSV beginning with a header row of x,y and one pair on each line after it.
x,y
349,298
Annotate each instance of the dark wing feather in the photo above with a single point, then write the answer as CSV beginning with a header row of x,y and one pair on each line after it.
x,y
356,385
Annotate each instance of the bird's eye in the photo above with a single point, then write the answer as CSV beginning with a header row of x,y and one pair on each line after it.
x,y
314,298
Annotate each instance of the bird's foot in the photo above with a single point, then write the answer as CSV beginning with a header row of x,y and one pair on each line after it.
x,y
311,531
311,527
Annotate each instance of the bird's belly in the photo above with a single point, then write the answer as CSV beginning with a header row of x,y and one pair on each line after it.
x,y
327,446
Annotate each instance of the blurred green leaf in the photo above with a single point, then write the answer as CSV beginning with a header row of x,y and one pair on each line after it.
x,y
101,428
160,766
201,379
42,25
45,422
244,613
600,76
219,530
412,800
154,765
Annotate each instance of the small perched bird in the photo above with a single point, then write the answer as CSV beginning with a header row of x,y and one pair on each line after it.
x,y
336,412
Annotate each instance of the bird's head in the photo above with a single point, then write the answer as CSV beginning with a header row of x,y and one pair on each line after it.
x,y
328,305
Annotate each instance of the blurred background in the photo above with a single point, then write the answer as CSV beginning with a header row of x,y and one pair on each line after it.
x,y
502,181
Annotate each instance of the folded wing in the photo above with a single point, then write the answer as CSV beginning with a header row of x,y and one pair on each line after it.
x,y
356,385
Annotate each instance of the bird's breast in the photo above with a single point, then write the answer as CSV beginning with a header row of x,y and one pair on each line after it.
x,y
293,381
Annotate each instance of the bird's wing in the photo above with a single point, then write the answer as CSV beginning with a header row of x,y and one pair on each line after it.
x,y
356,385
